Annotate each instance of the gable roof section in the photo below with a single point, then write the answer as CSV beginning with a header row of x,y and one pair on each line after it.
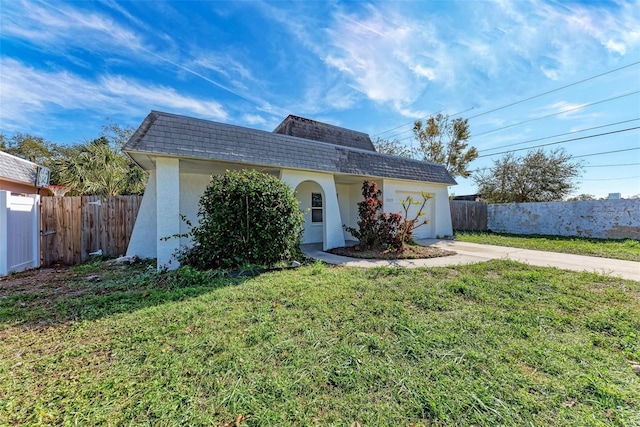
x,y
15,169
173,135
323,132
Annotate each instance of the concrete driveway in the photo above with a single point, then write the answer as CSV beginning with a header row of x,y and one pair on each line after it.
x,y
468,253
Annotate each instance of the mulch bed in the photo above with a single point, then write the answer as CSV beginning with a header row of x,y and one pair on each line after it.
x,y
410,252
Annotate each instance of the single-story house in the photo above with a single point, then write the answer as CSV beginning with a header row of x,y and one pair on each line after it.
x,y
325,165
20,176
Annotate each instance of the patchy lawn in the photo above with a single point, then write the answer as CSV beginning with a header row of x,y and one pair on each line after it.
x,y
627,249
496,343
409,252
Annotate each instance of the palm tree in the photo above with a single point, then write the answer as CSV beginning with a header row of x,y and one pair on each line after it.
x,y
97,167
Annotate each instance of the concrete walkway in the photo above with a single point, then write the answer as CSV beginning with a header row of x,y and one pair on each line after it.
x,y
468,253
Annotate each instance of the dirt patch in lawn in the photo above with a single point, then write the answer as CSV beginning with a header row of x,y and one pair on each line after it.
x,y
50,281
409,252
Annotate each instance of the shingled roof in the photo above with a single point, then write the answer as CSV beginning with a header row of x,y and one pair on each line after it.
x,y
14,168
323,132
169,134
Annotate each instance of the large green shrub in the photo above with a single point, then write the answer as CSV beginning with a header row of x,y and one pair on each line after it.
x,y
246,217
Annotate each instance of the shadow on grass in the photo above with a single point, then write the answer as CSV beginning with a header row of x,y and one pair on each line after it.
x,y
50,296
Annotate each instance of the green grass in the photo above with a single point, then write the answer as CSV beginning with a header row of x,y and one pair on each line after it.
x,y
497,343
627,249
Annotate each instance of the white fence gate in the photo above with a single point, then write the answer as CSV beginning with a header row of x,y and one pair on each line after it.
x,y
19,232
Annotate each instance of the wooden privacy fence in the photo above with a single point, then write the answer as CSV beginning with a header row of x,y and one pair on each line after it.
x,y
74,228
469,216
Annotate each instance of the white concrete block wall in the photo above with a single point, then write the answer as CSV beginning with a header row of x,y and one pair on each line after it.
x,y
605,219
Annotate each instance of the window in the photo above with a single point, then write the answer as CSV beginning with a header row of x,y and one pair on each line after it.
x,y
316,207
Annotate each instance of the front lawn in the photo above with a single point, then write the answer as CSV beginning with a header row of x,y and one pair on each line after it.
x,y
497,343
626,249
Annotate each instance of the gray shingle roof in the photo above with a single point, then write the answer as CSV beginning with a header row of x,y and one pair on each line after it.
x,y
180,136
16,169
318,131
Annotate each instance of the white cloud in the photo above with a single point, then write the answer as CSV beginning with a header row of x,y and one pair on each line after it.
x,y
617,47
253,119
61,28
27,91
401,55
388,57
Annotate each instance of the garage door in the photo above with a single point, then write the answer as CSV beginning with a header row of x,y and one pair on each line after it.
x,y
424,231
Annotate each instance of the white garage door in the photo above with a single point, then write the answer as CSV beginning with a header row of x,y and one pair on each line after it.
x,y
424,231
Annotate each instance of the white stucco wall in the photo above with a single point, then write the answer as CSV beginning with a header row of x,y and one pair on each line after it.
x,y
348,197
612,219
192,188
437,208
143,237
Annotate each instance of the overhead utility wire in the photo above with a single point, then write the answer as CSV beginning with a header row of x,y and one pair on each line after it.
x,y
607,152
560,134
561,142
559,112
609,179
554,90
526,99
612,166
589,166
399,126
413,121
552,114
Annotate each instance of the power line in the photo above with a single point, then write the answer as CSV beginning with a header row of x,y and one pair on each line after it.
x,y
590,166
526,99
606,152
402,125
563,141
550,115
559,112
610,179
612,166
560,134
413,121
554,90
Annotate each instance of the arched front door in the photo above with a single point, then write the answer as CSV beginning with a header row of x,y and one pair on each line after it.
x,y
312,203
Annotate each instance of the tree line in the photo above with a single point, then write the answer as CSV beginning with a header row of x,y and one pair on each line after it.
x,y
93,167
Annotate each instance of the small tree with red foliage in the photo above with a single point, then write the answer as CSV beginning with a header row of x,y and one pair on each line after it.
x,y
380,229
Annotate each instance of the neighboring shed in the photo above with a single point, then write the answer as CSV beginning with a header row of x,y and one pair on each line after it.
x,y
324,164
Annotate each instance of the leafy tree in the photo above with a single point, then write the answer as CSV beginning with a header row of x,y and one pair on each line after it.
x,y
116,134
444,141
97,167
28,147
537,177
246,217
393,148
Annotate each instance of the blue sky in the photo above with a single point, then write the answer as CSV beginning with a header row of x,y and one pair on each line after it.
x,y
67,68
